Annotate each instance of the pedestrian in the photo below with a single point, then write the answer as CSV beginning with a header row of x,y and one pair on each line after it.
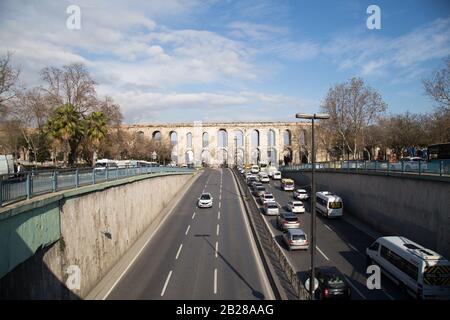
x,y
19,168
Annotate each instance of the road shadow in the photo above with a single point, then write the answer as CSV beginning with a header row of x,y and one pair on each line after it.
x,y
258,295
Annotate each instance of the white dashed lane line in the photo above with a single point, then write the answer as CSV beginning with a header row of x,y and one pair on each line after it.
x,y
218,215
187,230
218,229
323,254
215,281
166,283
217,249
193,216
178,252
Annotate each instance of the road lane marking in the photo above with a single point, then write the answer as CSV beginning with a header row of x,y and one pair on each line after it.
x,y
220,204
352,247
388,295
217,248
220,196
179,250
326,226
193,216
166,283
218,215
321,252
355,288
215,281
187,230
218,229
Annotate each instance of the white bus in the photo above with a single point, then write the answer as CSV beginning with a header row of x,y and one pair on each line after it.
x,y
423,273
102,164
328,204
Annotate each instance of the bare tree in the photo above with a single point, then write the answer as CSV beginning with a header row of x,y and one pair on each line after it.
x,y
9,77
353,107
438,86
71,84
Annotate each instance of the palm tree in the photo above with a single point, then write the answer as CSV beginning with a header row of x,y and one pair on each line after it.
x,y
66,126
96,130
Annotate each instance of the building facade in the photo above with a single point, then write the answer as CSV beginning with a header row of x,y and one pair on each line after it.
x,y
229,143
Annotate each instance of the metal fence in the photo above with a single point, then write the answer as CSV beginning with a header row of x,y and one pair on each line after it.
x,y
31,183
435,168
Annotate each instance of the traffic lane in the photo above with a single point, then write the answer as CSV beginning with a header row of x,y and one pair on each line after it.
x,y
240,277
145,278
344,245
192,274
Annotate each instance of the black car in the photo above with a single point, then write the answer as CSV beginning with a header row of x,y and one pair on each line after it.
x,y
332,284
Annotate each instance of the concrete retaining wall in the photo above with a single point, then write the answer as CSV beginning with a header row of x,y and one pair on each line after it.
x,y
394,205
97,228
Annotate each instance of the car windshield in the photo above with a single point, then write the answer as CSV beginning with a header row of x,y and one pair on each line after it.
x,y
296,204
291,219
272,205
268,196
298,237
205,197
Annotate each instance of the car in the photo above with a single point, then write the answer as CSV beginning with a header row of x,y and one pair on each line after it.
x,y
276,175
205,201
301,194
250,180
254,169
264,178
271,208
331,284
296,207
266,197
255,184
287,220
259,191
296,239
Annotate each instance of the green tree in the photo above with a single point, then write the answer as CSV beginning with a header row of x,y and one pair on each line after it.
x,y
66,126
96,130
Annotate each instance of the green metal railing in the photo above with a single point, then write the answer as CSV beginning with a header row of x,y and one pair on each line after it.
x,y
25,185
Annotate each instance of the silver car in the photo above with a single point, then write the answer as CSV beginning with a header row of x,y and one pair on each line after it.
x,y
287,220
296,239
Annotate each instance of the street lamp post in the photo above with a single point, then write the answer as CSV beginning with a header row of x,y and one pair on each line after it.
x,y
313,196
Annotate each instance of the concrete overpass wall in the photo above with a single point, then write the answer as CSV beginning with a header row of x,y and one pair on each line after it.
x,y
415,207
95,226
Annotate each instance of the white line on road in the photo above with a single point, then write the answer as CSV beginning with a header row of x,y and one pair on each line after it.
x,y
187,230
326,226
217,248
215,281
218,228
218,215
352,247
179,250
220,204
193,216
220,197
321,252
355,288
166,283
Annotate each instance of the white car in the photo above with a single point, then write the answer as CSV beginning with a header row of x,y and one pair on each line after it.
x,y
254,169
271,208
276,175
296,207
205,201
266,197
301,194
264,178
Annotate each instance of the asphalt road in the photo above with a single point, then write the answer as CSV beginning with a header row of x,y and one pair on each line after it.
x,y
199,253
338,244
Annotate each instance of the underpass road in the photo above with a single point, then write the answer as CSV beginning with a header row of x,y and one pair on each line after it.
x,y
199,253
338,243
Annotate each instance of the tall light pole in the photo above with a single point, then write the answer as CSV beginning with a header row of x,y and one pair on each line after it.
x,y
313,196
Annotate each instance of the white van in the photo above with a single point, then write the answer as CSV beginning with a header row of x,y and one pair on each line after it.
x,y
329,205
423,273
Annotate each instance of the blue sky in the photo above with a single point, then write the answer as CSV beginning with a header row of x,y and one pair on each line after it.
x,y
226,60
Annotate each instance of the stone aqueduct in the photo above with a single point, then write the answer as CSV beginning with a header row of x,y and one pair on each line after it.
x,y
234,142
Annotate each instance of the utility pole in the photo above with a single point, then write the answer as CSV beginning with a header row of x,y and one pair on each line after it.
x,y
312,237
